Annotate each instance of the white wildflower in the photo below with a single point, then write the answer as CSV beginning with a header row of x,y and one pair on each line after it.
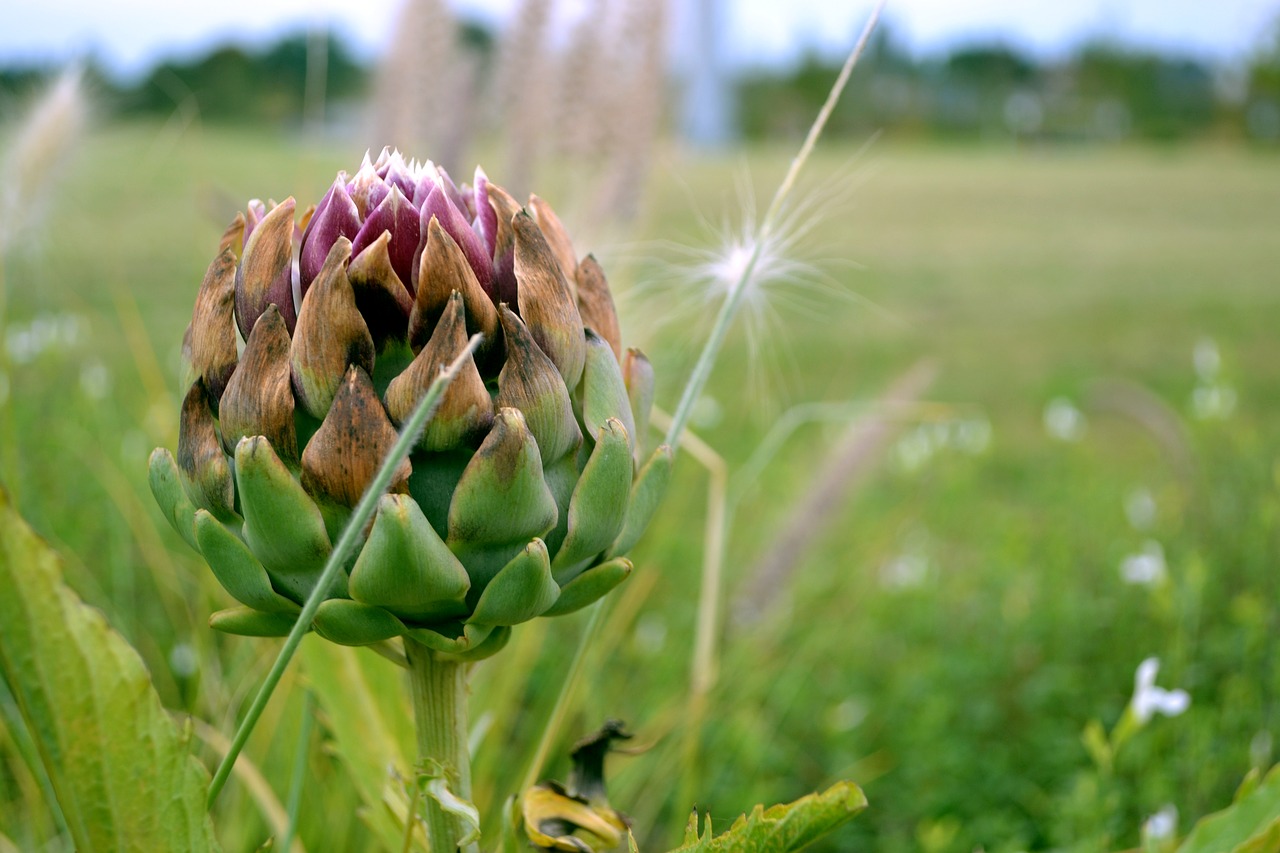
x,y
1063,421
1214,402
1207,360
905,571
1149,700
1140,509
183,660
1162,825
1147,567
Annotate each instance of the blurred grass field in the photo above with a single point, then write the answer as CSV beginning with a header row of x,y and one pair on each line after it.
x,y
946,643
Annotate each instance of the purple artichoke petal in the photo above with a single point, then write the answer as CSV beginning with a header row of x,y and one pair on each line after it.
x,y
456,226
452,192
335,217
367,189
397,215
486,221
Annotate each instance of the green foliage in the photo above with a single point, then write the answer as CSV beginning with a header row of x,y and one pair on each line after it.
x,y
780,828
122,772
1249,825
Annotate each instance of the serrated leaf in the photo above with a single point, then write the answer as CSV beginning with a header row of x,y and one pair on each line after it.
x,y
123,774
1250,825
784,828
367,713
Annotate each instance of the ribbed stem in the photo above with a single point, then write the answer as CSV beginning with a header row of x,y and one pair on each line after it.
x,y
439,690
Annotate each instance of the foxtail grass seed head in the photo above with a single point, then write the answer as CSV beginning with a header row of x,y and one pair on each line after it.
x,y
314,336
37,154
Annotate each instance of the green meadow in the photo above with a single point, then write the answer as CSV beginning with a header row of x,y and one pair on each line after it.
x,y
1089,476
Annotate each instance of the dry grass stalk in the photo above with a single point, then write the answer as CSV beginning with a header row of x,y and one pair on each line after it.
x,y
415,93
37,156
635,107
844,469
523,88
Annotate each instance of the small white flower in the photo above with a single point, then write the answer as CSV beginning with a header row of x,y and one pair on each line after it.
x,y
183,660
95,380
972,436
1149,700
1140,509
1207,359
1063,421
905,571
1213,402
1147,567
1162,825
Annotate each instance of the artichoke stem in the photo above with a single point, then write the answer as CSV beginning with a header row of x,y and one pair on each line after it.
x,y
439,688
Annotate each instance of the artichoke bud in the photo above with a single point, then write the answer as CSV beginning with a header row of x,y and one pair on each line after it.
x,y
205,472
213,332
522,495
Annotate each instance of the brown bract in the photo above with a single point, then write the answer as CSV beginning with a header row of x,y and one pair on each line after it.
x,y
466,410
557,237
595,304
442,270
545,302
331,335
264,276
259,397
530,382
213,331
381,296
343,457
200,456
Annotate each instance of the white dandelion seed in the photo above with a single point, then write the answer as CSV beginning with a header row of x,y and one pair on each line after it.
x,y
1162,825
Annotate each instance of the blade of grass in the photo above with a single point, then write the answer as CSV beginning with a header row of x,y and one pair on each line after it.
x,y
338,558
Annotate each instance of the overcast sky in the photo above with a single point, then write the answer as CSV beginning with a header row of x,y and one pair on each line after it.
x,y
129,34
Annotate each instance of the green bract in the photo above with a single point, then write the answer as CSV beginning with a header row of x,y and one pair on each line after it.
x,y
312,341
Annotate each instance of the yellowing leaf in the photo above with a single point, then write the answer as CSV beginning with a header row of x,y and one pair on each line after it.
x,y
782,828
122,772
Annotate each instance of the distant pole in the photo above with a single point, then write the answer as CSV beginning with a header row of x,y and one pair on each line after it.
x,y
708,97
317,71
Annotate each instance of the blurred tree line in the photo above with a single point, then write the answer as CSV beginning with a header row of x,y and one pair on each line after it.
x,y
1103,91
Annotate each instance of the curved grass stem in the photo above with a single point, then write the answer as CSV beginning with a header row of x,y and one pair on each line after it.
x,y
729,308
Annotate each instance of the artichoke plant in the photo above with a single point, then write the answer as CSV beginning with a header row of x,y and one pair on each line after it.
x,y
313,339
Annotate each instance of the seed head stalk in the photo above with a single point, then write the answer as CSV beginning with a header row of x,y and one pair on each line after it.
x,y
733,301
339,557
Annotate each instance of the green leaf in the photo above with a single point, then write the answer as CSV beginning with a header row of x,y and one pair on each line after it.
x,y
1250,825
123,774
367,713
782,828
